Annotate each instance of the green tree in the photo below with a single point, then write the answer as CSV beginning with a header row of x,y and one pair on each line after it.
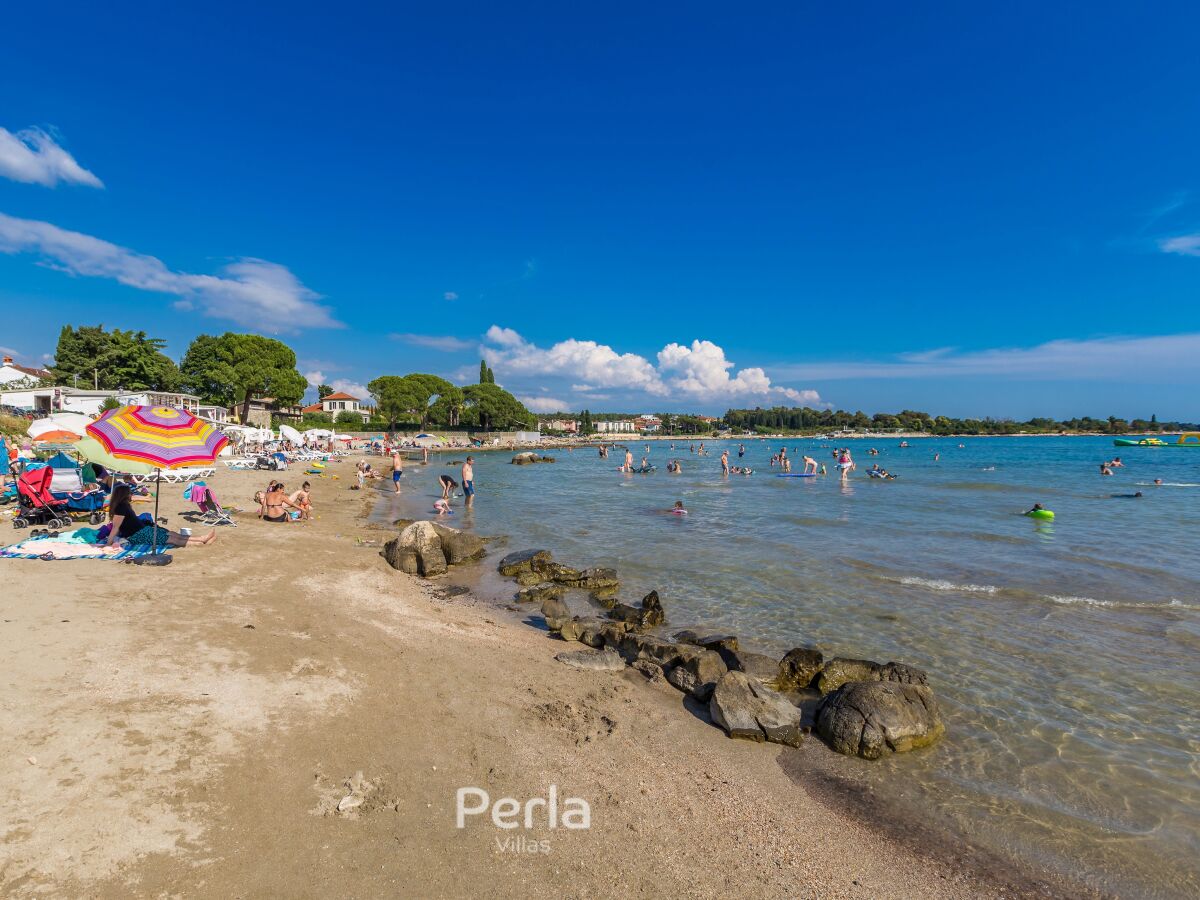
x,y
346,417
110,403
491,407
483,372
113,359
236,368
323,391
395,398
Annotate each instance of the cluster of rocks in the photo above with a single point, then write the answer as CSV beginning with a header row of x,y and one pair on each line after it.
x,y
860,707
428,549
528,458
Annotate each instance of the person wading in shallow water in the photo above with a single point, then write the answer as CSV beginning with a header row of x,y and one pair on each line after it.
x,y
397,469
468,481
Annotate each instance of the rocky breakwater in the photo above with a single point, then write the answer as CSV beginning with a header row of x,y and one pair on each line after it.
x,y
428,549
528,458
859,707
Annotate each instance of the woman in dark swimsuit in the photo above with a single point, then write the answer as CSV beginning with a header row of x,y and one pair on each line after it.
x,y
127,525
274,503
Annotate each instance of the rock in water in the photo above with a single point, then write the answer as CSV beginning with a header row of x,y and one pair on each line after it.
x,y
799,667
528,579
556,571
459,546
717,642
417,551
838,671
525,459
522,561
539,593
752,711
647,616
871,718
762,668
606,660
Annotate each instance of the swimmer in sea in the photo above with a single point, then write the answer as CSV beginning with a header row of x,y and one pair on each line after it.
x,y
1158,481
1116,463
810,466
1104,469
678,509
1037,507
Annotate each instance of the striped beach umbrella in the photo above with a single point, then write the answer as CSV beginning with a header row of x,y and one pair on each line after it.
x,y
162,437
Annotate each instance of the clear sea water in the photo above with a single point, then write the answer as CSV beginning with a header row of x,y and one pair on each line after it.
x,y
1066,655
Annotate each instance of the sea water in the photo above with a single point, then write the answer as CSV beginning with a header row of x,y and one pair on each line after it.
x,y
1065,654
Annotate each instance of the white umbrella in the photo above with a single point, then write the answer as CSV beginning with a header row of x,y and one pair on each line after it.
x,y
288,433
318,433
63,423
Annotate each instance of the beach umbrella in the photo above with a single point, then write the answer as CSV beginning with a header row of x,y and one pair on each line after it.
x,y
288,433
163,437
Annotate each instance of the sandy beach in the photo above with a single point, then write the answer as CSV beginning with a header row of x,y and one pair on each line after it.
x,y
191,731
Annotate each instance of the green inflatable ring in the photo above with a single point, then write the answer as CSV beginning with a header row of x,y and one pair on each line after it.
x,y
1040,514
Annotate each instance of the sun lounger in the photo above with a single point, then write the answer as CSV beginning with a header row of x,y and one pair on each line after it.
x,y
211,511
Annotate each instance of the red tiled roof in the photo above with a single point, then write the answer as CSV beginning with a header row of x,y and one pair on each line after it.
x,y
340,395
315,408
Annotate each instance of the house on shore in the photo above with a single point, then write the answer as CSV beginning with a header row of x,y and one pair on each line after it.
x,y
339,402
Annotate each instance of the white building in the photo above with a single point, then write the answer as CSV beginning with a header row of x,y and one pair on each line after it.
x,y
11,373
623,426
339,402
45,400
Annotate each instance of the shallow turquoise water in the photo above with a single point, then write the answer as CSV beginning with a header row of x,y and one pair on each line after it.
x,y
1066,654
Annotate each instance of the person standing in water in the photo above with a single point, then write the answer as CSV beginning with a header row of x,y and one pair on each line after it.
x,y
628,460
724,462
845,463
397,469
468,481
810,466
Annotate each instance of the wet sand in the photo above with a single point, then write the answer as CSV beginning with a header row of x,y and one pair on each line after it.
x,y
191,730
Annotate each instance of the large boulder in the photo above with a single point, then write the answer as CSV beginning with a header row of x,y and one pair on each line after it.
x,y
752,711
871,718
635,646
799,667
762,668
592,631
459,546
556,571
840,670
525,459
698,672
417,550
522,561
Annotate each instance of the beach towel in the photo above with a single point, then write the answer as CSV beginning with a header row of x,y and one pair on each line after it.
x,y
61,548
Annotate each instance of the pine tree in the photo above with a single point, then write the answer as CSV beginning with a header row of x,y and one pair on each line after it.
x,y
483,372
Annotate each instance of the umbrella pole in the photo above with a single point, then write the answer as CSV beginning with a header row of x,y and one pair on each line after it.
x,y
154,533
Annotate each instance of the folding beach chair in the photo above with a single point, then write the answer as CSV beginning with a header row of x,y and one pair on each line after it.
x,y
211,511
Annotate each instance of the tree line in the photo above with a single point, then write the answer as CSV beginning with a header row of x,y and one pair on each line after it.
x,y
232,370
805,419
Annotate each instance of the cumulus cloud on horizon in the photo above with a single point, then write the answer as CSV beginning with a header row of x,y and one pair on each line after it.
x,y
32,156
251,292
1183,245
316,378
545,404
699,372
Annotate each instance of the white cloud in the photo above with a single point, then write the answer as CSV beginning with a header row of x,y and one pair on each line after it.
x,y
444,343
353,388
315,378
699,372
1184,245
1119,358
252,292
545,404
450,295
32,156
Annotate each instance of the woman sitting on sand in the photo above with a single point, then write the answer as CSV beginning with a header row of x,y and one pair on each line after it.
x,y
126,525
274,503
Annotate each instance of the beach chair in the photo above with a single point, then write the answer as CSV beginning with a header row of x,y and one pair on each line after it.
x,y
211,511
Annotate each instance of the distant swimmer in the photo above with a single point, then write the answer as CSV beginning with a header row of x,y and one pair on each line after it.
x,y
678,509
937,457
1158,481
741,450
1127,496
674,467
1037,507
1104,469
810,465
1116,463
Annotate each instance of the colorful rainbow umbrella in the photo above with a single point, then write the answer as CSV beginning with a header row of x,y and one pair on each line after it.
x,y
160,436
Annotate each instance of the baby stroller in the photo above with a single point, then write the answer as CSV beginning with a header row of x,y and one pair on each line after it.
x,y
37,506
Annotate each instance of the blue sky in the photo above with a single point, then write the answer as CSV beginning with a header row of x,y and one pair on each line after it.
x,y
966,210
